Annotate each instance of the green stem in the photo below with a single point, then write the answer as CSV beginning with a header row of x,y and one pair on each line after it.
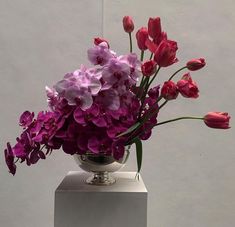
x,y
179,118
142,80
148,85
151,56
154,76
146,91
142,84
130,42
142,55
164,122
177,72
163,104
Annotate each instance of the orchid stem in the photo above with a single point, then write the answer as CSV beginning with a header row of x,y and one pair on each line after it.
x,y
130,42
179,118
177,72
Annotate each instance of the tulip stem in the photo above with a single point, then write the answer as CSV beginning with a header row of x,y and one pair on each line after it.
x,y
151,56
163,104
163,122
130,42
146,90
154,77
142,55
177,72
179,118
142,83
145,86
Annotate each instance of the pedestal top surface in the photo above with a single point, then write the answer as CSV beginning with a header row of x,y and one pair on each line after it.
x,y
125,182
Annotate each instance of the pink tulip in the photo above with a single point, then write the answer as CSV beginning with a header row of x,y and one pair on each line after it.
x,y
169,90
148,68
99,40
218,120
128,24
165,54
196,64
142,36
154,27
187,87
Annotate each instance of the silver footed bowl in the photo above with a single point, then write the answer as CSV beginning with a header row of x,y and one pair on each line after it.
x,y
101,166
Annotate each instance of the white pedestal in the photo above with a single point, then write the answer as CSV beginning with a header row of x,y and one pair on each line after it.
x,y
123,204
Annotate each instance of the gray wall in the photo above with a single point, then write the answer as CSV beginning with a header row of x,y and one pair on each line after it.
x,y
188,168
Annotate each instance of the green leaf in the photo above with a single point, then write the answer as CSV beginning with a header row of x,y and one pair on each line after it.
x,y
129,130
139,153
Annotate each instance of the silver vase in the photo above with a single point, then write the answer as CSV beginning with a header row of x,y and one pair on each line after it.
x,y
101,166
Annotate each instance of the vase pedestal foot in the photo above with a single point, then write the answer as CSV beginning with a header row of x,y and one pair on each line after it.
x,y
121,204
101,178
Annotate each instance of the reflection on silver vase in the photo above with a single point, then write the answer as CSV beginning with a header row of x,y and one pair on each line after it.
x,y
101,166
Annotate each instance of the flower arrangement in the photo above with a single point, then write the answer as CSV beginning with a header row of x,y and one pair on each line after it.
x,y
113,104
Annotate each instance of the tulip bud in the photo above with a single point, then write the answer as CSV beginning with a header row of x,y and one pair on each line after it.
x,y
128,24
165,54
98,40
142,36
154,27
169,90
218,120
148,68
187,87
196,64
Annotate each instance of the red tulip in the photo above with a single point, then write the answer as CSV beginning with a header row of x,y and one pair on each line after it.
x,y
148,68
165,54
98,40
151,45
187,87
128,24
154,27
196,64
169,90
142,36
162,36
217,120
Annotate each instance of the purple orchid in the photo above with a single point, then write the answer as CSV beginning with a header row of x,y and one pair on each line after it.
x,y
135,66
89,108
100,54
82,117
52,98
109,99
99,144
115,72
26,119
118,148
9,158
